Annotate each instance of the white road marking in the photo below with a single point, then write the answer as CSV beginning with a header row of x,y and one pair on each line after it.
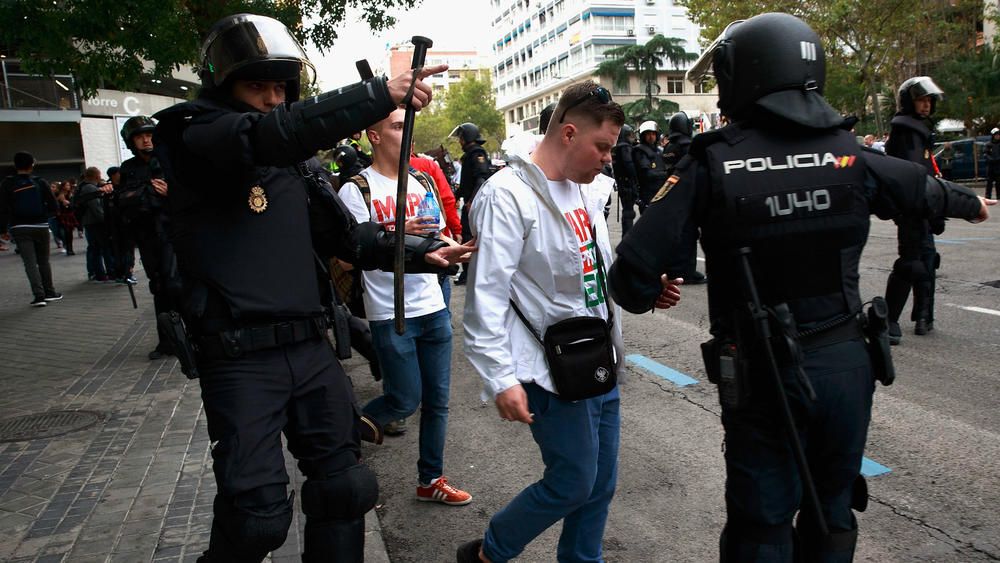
x,y
977,309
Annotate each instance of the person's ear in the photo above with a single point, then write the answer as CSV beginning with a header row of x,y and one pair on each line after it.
x,y
373,137
568,132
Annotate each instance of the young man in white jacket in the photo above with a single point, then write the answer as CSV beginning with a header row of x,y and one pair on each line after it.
x,y
533,225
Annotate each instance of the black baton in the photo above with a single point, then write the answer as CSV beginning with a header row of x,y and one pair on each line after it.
x,y
420,46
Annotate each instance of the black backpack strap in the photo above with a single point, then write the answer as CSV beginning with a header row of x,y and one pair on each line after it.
x,y
428,183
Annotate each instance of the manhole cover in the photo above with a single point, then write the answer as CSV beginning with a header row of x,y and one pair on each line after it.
x,y
46,425
992,283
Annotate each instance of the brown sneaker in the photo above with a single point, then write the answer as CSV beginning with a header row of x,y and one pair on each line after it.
x,y
440,491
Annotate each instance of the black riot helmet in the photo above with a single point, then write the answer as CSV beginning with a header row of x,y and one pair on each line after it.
x,y
680,123
345,156
247,46
468,133
545,116
774,61
135,125
626,135
917,87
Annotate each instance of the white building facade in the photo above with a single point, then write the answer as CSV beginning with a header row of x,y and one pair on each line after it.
x,y
542,47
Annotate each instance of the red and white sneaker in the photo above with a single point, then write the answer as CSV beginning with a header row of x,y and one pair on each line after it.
x,y
440,491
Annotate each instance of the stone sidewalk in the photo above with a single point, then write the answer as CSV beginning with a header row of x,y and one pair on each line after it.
x,y
138,484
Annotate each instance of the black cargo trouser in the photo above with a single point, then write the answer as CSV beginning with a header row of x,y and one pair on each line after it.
x,y
763,488
299,390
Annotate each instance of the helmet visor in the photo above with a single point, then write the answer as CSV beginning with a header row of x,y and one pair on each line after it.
x,y
251,39
924,86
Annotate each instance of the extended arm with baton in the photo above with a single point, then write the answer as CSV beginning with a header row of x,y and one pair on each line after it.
x,y
760,321
420,46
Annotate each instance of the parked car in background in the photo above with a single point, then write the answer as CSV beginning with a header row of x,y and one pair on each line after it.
x,y
967,152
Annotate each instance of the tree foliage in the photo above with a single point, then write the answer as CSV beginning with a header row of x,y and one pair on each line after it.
x,y
469,100
972,84
871,46
645,61
116,41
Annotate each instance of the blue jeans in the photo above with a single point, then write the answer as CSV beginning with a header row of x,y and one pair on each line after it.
x,y
445,282
579,445
416,370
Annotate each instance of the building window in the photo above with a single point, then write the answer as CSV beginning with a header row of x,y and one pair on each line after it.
x,y
703,87
675,85
511,115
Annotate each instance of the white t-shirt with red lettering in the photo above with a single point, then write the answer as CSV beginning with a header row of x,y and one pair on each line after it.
x,y
566,196
423,292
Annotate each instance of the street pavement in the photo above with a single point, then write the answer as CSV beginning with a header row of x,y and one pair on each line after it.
x,y
138,485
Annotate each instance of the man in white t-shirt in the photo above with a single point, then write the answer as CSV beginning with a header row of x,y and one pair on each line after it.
x,y
416,367
543,238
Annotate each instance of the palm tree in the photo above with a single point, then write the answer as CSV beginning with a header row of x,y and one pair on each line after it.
x,y
645,60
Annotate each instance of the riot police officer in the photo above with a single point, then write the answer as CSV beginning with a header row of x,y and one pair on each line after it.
x,y
680,131
625,177
789,182
140,209
911,138
993,162
249,224
649,166
475,171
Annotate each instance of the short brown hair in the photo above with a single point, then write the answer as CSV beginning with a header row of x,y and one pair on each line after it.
x,y
92,173
590,109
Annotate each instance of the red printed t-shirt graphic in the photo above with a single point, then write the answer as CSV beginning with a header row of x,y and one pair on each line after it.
x,y
385,210
580,222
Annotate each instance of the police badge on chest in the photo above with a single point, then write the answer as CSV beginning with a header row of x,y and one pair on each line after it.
x,y
257,199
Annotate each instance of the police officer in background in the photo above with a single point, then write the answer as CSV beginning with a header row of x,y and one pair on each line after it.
x,y
625,177
649,166
993,163
911,138
744,185
680,131
364,158
474,172
249,225
140,207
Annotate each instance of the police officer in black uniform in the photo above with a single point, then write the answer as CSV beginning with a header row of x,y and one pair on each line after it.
x,y
789,182
475,171
911,138
680,130
249,225
140,207
649,166
625,178
993,162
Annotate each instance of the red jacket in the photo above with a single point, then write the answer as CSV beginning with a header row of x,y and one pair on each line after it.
x,y
453,223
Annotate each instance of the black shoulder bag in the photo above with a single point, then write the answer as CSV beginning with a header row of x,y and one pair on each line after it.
x,y
579,350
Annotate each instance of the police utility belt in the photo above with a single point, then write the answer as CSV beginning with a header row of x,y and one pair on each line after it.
x,y
727,361
236,343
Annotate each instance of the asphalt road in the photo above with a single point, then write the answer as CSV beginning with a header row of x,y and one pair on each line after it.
x,y
936,429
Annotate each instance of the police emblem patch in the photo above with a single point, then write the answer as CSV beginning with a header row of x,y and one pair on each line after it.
x,y
481,158
258,199
665,188
927,153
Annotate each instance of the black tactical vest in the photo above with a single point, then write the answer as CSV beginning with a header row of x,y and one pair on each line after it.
x,y
800,206
241,235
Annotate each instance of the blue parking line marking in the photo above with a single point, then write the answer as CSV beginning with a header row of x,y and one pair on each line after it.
x,y
871,468
961,240
656,368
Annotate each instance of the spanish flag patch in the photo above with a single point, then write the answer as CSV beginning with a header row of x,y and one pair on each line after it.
x,y
665,188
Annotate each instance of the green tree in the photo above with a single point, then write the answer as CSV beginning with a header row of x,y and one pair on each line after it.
x,y
875,44
972,89
468,100
645,61
118,41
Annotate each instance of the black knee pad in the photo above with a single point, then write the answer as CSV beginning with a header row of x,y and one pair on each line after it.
x,y
345,495
242,531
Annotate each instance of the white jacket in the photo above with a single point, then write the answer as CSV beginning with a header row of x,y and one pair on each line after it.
x,y
528,252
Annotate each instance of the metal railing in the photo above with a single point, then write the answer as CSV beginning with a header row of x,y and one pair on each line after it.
x,y
26,91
